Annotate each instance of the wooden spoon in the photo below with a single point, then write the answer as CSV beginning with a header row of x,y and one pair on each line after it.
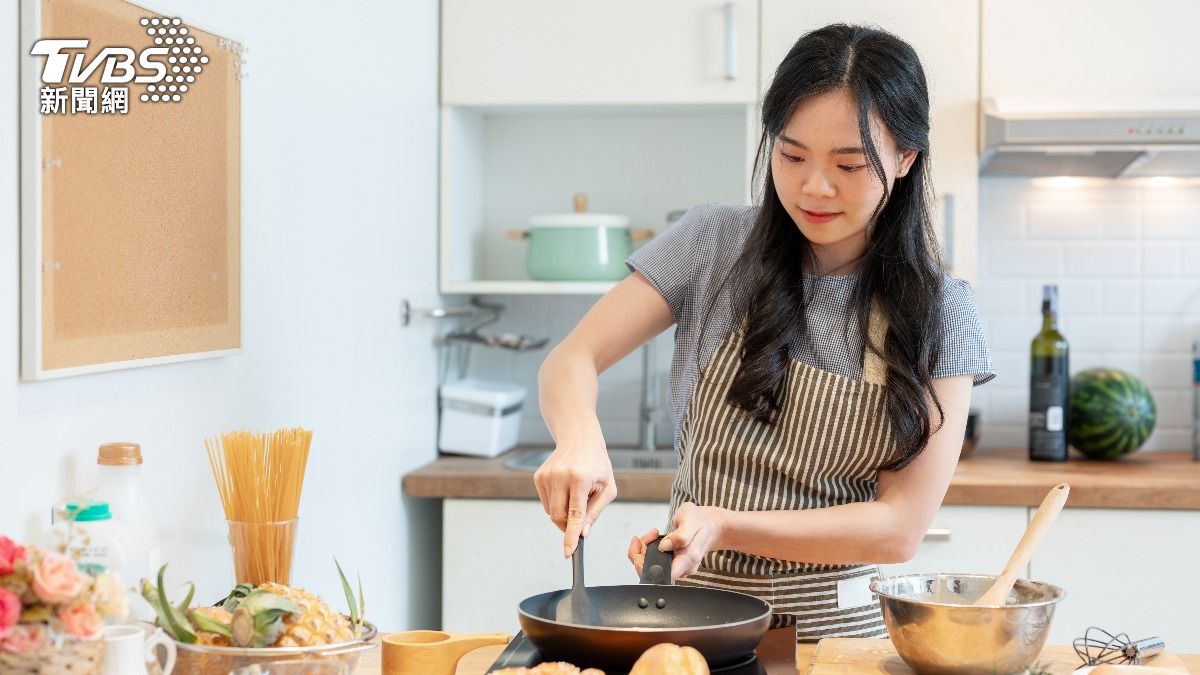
x,y
1046,513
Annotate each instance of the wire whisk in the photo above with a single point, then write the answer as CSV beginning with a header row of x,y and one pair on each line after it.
x,y
1099,646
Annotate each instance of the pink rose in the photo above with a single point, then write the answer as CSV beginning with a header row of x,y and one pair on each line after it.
x,y
24,637
10,553
10,610
57,578
80,621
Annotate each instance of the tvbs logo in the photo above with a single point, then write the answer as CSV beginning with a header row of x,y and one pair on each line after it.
x,y
166,70
118,63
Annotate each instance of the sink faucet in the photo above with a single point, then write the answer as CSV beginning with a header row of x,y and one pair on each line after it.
x,y
649,400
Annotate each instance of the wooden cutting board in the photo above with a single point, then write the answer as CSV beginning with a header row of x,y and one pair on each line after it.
x,y
848,656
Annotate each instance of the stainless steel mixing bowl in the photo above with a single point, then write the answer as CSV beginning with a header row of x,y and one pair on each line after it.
x,y
936,631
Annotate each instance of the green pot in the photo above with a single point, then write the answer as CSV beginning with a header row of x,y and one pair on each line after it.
x,y
578,247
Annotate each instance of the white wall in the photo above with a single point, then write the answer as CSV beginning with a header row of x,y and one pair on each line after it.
x,y
1126,258
339,138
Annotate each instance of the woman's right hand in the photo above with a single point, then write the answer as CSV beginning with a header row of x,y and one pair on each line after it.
x,y
575,484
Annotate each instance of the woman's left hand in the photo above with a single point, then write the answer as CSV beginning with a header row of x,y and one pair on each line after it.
x,y
697,531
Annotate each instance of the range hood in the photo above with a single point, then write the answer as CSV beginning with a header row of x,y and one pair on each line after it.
x,y
1026,137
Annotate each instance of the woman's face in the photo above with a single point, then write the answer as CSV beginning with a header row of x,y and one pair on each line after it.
x,y
824,179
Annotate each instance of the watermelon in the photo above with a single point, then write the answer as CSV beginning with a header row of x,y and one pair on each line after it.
x,y
1112,413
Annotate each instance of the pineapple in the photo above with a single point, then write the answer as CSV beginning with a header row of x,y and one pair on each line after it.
x,y
219,615
315,624
268,615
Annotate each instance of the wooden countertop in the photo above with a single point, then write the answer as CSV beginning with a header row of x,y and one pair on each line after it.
x,y
829,657
1143,480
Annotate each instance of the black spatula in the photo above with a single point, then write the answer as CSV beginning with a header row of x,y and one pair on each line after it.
x,y
575,607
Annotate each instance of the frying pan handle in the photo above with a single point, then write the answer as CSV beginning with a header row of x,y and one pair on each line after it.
x,y
656,568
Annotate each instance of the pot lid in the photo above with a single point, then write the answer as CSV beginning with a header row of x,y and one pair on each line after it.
x,y
580,218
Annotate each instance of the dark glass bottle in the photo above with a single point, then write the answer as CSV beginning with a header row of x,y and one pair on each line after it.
x,y
1049,385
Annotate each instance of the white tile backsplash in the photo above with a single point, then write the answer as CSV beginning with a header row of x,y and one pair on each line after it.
x,y
1167,371
1171,213
1005,219
1010,405
1023,259
1126,258
1161,260
1002,296
1162,334
1171,298
1105,260
1122,298
1101,333
1191,260
1174,408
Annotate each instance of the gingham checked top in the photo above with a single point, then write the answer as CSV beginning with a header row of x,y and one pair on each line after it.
x,y
688,262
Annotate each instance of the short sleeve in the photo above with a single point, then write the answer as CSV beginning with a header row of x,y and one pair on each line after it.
x,y
964,348
669,262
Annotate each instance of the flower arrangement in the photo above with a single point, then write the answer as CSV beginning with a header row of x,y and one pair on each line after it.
x,y
46,601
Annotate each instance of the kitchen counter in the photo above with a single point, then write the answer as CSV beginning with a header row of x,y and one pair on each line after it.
x,y
1144,480
828,657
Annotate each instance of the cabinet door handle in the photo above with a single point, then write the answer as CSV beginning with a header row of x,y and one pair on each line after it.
x,y
937,534
730,42
948,230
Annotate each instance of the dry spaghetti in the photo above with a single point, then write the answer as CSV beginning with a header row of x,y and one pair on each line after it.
x,y
259,478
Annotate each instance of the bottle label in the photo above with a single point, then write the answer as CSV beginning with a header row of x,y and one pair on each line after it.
x,y
1047,423
1054,418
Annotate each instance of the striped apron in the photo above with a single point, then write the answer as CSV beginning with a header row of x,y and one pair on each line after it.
x,y
830,434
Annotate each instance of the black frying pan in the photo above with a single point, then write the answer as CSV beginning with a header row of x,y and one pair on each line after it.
x,y
725,626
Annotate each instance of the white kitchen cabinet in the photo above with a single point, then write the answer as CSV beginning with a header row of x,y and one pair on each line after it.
x,y
500,166
1074,51
1126,571
945,34
522,52
966,539
499,552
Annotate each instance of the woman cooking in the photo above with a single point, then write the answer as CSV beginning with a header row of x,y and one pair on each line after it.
x,y
823,361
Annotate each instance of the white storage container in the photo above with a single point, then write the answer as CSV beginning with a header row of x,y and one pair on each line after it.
x,y
480,417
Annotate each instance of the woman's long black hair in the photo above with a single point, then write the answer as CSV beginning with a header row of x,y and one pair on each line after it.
x,y
900,270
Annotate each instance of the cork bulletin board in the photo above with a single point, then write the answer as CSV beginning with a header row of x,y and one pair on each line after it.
x,y
131,219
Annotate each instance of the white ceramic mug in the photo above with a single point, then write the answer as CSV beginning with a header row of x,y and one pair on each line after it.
x,y
127,648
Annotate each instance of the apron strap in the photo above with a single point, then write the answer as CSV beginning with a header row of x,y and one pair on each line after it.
x,y
874,369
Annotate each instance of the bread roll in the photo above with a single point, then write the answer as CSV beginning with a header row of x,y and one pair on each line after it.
x,y
670,659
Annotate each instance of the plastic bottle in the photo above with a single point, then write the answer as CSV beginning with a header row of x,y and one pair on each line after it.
x,y
120,468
